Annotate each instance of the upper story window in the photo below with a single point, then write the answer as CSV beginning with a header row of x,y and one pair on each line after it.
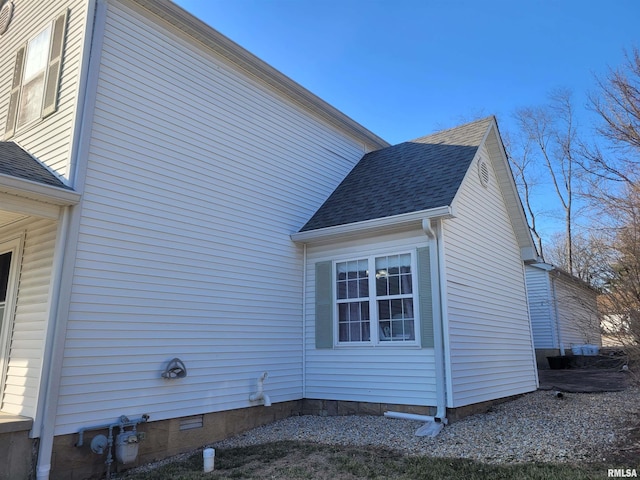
x,y
376,307
35,67
36,77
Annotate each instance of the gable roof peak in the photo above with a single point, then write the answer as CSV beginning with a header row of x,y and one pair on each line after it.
x,y
419,175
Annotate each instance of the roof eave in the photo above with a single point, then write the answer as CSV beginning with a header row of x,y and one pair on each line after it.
x,y
377,225
495,146
220,44
38,191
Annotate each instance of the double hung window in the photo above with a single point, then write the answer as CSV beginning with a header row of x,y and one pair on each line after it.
x,y
375,299
36,76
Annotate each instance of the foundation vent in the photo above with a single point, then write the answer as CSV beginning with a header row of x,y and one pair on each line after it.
x,y
189,423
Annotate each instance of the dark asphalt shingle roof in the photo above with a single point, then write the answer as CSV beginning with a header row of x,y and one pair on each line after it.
x,y
409,177
16,162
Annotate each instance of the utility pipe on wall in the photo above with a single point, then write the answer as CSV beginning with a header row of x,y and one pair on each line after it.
x,y
260,395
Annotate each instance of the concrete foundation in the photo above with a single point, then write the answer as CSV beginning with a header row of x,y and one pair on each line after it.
x,y
16,448
166,438
163,439
543,353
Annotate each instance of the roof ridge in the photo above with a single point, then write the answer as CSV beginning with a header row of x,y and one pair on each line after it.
x,y
458,127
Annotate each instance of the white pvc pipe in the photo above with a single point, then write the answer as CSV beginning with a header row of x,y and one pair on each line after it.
x,y
208,459
260,395
410,416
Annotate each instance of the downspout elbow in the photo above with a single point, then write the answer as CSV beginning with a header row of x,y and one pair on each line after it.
x,y
428,230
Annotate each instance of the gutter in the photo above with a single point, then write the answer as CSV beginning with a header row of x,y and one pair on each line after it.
x,y
379,225
38,191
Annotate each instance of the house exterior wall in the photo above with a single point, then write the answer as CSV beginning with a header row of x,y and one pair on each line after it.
x,y
541,308
489,335
389,374
49,140
197,175
27,340
562,310
578,319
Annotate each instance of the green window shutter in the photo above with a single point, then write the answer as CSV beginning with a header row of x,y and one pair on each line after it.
x,y
52,82
324,305
425,296
12,113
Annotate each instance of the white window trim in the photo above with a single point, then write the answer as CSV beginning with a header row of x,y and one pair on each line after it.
x,y
373,304
20,123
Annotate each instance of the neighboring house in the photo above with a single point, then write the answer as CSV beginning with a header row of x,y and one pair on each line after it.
x,y
563,309
164,193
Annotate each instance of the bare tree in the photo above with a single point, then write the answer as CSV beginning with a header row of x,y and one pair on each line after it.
x,y
617,104
620,301
551,133
592,256
520,158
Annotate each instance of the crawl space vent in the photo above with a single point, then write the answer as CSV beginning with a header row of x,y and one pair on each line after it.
x,y
189,423
483,172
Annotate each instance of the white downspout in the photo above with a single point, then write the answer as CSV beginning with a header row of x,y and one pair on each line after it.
x,y
304,321
438,330
438,339
94,29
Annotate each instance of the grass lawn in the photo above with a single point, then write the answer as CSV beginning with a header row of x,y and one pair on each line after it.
x,y
298,460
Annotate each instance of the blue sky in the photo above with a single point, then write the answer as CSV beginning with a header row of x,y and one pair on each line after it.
x,y
405,68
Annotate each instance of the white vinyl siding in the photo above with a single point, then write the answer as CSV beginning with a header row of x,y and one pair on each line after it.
x,y
541,308
578,319
562,310
50,139
490,345
27,342
196,177
388,372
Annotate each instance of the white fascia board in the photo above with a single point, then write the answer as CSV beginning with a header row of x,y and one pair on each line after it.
x,y
529,254
542,266
378,225
515,209
38,191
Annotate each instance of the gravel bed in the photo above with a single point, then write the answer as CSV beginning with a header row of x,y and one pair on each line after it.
x,y
537,427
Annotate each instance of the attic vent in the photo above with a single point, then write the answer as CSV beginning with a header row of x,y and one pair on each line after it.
x,y
483,172
6,12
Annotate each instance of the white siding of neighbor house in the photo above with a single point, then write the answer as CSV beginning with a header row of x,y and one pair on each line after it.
x,y
578,319
22,382
490,344
380,374
541,308
196,177
50,139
